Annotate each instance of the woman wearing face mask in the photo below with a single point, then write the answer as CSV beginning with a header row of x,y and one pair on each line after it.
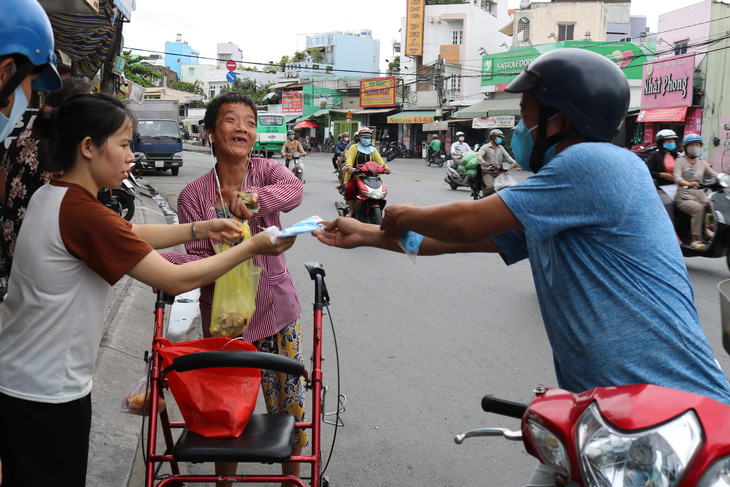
x,y
689,171
291,145
361,151
460,149
661,167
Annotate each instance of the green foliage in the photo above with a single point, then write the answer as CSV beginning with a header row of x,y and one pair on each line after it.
x,y
135,71
189,87
257,92
394,66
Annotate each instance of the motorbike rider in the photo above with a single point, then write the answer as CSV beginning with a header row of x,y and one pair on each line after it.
x,y
26,59
434,146
460,149
613,290
689,171
661,167
360,152
340,153
291,145
490,157
334,155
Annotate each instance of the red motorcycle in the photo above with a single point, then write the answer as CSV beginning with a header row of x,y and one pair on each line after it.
x,y
636,435
371,193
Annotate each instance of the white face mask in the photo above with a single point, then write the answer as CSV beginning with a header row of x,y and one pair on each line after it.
x,y
20,103
461,138
694,151
291,137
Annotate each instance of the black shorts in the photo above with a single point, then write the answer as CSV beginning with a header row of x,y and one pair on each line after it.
x,y
44,444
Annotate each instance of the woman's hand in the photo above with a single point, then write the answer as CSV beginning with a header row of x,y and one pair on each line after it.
x,y
222,230
238,207
387,170
261,244
667,176
346,233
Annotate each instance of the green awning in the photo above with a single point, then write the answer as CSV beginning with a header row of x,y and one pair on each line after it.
x,y
422,116
491,108
318,113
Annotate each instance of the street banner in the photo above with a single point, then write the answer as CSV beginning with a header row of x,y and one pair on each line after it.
x,y
499,121
668,82
292,102
498,70
414,27
377,92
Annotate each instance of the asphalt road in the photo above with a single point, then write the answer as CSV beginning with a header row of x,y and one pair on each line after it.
x,y
419,345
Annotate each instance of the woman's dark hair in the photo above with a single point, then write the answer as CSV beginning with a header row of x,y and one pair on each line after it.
x,y
69,87
214,107
96,115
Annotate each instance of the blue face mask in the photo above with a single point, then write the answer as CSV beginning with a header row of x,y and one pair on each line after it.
x,y
670,146
522,145
498,140
365,141
20,103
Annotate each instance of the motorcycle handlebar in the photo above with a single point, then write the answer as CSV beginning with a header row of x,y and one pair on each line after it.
x,y
504,407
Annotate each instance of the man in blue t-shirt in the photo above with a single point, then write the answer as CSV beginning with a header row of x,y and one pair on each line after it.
x,y
613,289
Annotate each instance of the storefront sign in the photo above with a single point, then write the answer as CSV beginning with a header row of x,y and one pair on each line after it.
x,y
292,102
502,121
668,82
435,126
414,27
406,119
377,92
498,70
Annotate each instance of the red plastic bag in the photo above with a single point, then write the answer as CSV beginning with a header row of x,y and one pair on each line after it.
x,y
217,402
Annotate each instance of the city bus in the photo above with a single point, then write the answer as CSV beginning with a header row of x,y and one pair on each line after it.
x,y
270,133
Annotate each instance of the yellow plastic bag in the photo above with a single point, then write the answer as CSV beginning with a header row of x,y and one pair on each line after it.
x,y
234,297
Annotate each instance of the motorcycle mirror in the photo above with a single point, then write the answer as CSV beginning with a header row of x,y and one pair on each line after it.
x,y
688,174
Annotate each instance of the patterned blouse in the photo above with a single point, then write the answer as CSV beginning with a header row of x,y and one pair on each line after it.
x,y
24,164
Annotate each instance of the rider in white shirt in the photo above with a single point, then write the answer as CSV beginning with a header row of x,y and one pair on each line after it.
x,y
459,149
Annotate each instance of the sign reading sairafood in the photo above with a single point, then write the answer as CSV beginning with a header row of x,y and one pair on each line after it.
x,y
414,28
292,102
667,82
498,70
377,92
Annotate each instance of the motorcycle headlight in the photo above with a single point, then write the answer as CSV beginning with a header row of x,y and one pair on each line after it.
x,y
718,475
552,450
177,155
724,180
375,194
658,457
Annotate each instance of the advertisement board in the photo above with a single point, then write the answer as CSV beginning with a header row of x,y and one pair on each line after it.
x,y
292,102
414,27
499,121
377,92
498,70
668,82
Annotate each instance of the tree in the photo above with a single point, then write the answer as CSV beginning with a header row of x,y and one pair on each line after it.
x,y
189,87
140,73
257,92
394,65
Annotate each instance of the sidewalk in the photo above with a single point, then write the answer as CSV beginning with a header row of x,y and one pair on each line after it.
x,y
127,335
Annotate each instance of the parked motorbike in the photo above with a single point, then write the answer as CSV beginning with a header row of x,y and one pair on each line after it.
x,y
437,157
121,199
634,435
718,190
371,193
397,149
454,178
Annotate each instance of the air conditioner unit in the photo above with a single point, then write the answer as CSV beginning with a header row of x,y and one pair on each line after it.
x,y
430,19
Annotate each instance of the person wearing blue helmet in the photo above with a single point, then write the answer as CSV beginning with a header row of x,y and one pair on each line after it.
x,y
689,172
613,290
26,58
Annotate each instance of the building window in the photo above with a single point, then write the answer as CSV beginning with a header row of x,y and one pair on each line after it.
x,y
191,71
178,60
523,30
680,47
565,32
456,36
212,93
455,85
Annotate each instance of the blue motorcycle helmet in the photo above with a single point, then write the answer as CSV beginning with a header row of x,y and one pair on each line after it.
x,y
588,88
26,34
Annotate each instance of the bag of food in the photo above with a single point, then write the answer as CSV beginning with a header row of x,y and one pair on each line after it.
x,y
215,402
234,297
137,399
